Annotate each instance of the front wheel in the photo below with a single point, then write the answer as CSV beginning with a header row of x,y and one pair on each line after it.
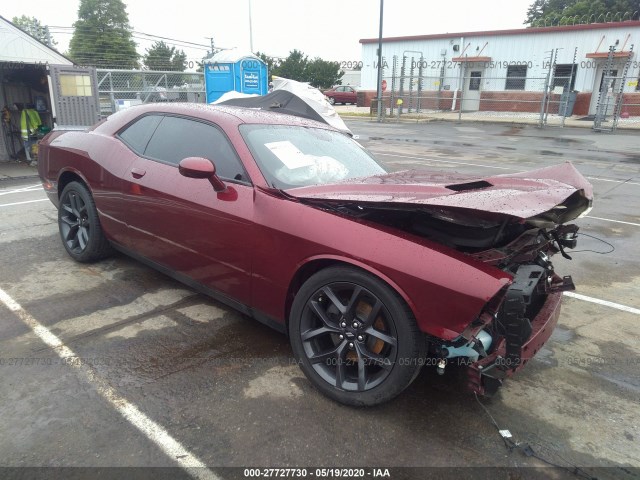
x,y
79,225
355,339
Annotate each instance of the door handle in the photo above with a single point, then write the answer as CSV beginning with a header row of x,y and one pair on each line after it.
x,y
138,173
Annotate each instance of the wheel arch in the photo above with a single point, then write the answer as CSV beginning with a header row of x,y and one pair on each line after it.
x,y
310,266
69,175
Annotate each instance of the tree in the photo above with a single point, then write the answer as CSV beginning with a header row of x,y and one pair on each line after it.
x,y
319,73
272,63
33,27
293,67
102,35
163,57
322,74
562,12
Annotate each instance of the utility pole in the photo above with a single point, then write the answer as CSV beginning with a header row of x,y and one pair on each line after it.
x,y
379,86
250,29
213,48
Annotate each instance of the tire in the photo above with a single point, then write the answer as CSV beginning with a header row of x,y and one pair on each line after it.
x,y
332,101
381,348
79,225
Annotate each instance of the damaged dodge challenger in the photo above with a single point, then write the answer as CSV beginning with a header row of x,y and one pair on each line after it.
x,y
293,223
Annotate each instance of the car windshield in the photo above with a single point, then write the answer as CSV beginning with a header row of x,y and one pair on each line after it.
x,y
295,156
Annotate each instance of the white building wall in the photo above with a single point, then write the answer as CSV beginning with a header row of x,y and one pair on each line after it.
x,y
17,46
530,48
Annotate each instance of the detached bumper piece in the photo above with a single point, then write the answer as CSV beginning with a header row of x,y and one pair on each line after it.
x,y
527,319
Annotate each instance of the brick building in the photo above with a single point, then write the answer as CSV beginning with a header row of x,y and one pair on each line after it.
x,y
507,70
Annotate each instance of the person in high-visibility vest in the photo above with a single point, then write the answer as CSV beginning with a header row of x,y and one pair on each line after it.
x,y
29,124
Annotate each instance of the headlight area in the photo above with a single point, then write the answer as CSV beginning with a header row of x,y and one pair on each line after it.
x,y
514,325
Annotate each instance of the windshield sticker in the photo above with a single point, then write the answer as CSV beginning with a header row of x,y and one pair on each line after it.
x,y
289,154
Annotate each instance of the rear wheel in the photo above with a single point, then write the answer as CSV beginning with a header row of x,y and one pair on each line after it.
x,y
79,225
332,101
355,339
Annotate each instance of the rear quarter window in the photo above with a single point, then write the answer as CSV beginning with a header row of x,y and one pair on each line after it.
x,y
138,134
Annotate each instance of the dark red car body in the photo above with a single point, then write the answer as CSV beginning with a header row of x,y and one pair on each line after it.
x,y
252,246
342,94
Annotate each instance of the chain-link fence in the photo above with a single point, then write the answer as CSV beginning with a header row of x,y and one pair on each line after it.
x,y
630,108
124,88
523,98
547,99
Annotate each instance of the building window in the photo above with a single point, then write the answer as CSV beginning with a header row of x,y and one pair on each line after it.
x,y
516,77
610,79
564,75
72,85
474,80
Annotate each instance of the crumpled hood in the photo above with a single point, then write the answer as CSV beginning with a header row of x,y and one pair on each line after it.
x,y
559,193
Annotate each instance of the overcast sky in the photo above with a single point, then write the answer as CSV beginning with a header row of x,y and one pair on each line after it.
x,y
330,29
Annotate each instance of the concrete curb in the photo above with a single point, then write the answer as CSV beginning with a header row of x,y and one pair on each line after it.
x,y
497,121
17,171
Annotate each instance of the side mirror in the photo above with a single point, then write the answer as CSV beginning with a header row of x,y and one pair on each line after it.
x,y
198,167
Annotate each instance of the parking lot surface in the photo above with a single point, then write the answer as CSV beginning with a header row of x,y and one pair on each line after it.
x,y
116,365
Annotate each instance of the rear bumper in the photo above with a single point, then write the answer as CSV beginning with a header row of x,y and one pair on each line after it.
x,y
487,374
51,189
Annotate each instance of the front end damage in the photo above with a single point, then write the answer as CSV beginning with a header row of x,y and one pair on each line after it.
x,y
514,222
518,321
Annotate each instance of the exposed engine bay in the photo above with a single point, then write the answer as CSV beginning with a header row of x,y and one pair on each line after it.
x,y
523,248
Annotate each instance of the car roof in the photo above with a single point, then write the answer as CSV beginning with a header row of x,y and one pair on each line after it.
x,y
221,114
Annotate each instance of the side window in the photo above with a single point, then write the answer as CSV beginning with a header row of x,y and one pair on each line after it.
x,y
516,77
178,138
137,135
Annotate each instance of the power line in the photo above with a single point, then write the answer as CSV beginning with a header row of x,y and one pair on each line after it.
x,y
135,32
93,37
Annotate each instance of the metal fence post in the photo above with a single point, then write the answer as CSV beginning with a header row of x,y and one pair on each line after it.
x,y
420,73
601,111
620,95
411,70
402,72
545,93
566,105
553,76
463,71
394,73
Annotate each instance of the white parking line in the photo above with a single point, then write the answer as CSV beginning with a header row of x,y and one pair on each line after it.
x,y
611,180
445,161
30,188
614,221
489,166
606,303
150,429
22,203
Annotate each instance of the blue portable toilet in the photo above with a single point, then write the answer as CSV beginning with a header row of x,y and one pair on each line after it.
x,y
234,70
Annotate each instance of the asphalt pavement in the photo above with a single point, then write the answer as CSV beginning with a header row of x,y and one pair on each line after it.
x,y
137,370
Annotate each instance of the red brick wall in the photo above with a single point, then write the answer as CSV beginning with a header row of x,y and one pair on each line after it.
x,y
510,101
498,101
582,104
631,104
428,99
365,97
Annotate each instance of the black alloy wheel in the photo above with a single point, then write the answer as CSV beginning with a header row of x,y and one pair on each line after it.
x,y
79,226
354,337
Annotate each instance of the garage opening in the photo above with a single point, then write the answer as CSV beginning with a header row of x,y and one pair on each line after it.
x,y
26,109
